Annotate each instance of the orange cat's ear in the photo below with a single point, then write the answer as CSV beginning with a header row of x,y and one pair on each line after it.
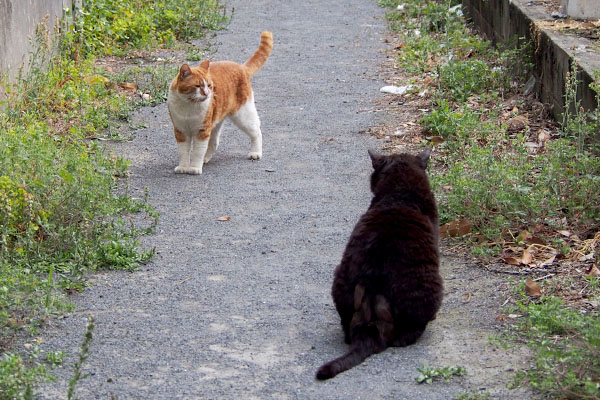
x,y
185,71
204,64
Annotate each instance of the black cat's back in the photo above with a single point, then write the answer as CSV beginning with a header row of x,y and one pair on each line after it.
x,y
387,286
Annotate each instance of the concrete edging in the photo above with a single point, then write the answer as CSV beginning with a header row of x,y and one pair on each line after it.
x,y
554,52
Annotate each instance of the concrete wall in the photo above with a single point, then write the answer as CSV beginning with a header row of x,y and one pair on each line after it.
x,y
581,9
554,53
18,19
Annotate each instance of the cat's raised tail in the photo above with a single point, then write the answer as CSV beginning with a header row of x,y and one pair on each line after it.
x,y
261,55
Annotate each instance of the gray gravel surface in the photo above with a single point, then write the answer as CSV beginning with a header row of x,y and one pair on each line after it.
x,y
241,309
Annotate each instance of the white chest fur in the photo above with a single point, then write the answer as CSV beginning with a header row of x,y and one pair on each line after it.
x,y
187,116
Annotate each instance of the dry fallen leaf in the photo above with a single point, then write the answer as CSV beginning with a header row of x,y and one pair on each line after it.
x,y
535,240
548,261
532,289
528,255
593,271
224,218
436,140
130,86
511,260
456,228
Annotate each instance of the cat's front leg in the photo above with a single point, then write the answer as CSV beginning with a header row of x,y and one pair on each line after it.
x,y
199,147
184,144
213,142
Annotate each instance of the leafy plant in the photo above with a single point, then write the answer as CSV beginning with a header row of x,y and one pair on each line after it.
x,y
566,344
428,374
83,355
114,27
472,396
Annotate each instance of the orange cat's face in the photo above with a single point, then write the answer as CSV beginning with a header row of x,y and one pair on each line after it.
x,y
194,84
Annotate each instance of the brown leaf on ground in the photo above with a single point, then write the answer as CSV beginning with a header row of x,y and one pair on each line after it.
x,y
456,228
593,271
224,218
548,261
437,140
129,86
512,260
528,255
535,240
532,289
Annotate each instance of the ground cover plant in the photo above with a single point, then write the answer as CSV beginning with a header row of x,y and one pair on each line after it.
x,y
512,184
65,209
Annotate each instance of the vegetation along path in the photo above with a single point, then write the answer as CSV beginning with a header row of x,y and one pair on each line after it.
x,y
240,307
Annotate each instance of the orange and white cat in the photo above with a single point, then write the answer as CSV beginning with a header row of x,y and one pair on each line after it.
x,y
201,97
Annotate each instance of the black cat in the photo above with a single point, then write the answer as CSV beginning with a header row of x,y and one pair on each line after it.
x,y
388,287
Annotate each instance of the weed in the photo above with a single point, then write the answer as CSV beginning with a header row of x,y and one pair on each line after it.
x,y
472,396
83,354
566,344
117,26
428,374
17,376
581,126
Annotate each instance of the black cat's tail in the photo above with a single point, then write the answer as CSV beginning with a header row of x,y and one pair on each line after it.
x,y
371,329
361,348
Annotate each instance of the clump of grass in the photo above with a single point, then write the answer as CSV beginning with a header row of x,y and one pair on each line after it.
x,y
566,344
428,374
472,396
118,26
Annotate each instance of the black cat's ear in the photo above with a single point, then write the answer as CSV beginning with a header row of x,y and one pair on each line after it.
x,y
424,157
375,158
185,71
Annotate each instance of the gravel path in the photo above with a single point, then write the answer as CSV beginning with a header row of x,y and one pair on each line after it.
x,y
241,309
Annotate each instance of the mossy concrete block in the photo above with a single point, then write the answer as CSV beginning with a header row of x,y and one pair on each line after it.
x,y
581,9
18,21
554,52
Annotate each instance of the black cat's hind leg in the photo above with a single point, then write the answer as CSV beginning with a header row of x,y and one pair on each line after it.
x,y
407,338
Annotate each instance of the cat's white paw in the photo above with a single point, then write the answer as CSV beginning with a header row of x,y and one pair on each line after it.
x,y
255,155
194,171
188,170
206,159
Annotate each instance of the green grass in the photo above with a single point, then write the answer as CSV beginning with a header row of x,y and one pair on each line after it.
x,y
117,27
488,176
472,396
566,347
428,374
65,209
